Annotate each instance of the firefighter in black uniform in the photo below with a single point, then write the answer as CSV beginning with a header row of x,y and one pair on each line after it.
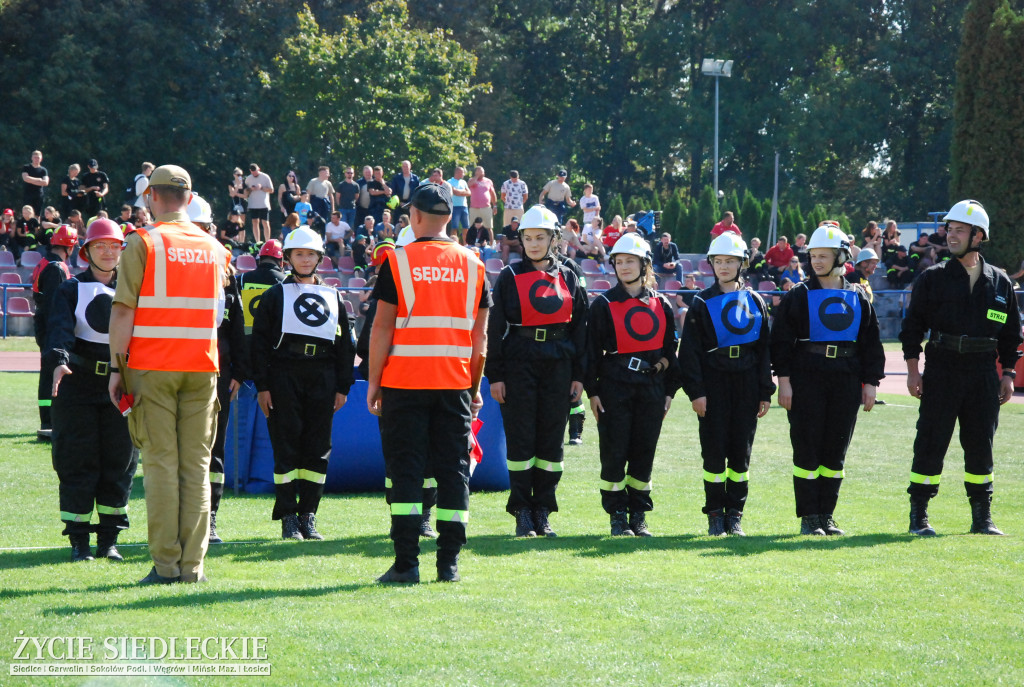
x,y
536,339
302,356
378,258
577,411
971,311
92,449
49,274
829,359
231,351
632,374
726,371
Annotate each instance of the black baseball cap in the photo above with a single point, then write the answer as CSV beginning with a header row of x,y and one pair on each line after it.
x,y
92,163
433,199
514,174
562,173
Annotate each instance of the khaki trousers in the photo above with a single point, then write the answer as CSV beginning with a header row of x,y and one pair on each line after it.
x,y
172,423
507,215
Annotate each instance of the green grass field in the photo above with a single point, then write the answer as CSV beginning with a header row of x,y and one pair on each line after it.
x,y
877,607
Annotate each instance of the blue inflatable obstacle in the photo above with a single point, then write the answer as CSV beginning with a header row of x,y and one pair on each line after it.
x,y
356,462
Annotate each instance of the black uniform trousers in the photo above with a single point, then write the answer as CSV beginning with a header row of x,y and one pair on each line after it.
x,y
825,407
302,392
219,437
628,432
534,415
427,430
727,436
43,391
970,395
92,454
429,483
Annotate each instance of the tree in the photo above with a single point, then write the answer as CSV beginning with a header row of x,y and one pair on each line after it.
x,y
340,103
706,216
672,215
615,208
991,145
749,217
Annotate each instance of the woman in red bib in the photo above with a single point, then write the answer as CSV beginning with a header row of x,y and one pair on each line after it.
x,y
632,375
536,336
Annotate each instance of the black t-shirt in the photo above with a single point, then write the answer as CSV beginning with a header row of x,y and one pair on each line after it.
x,y
510,233
348,193
32,192
386,290
937,240
99,179
374,185
474,237
71,185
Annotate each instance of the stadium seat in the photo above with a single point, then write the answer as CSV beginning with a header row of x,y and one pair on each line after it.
x,y
672,285
326,267
686,265
333,282
600,285
30,259
356,283
346,265
705,268
349,308
7,259
591,268
766,285
245,263
19,306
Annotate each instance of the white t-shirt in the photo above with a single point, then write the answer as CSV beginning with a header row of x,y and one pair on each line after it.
x,y
259,200
589,205
337,231
588,233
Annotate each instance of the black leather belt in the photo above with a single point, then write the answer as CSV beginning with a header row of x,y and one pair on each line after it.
x,y
99,367
634,364
732,351
963,343
553,333
830,350
311,350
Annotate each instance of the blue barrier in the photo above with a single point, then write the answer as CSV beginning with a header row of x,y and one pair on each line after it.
x,y
356,462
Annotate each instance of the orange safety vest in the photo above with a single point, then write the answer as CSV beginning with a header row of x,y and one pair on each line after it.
x,y
439,285
181,298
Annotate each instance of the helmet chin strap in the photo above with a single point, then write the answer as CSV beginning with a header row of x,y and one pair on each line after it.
x,y
93,265
971,248
300,275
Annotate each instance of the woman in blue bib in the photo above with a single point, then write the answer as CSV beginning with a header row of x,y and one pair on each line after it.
x,y
302,355
726,373
829,359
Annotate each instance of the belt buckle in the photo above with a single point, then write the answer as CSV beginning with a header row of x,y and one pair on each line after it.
x,y
831,351
634,364
540,334
310,350
734,351
102,368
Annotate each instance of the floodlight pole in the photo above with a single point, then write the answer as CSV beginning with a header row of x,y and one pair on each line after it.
x,y
717,69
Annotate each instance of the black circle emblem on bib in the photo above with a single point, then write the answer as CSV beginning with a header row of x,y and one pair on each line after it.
x,y
746,323
544,297
311,309
253,304
835,320
97,313
646,329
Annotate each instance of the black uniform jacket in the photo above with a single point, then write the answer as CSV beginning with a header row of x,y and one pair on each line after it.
x,y
50,277
698,341
941,302
231,336
792,325
603,369
506,347
61,341
270,347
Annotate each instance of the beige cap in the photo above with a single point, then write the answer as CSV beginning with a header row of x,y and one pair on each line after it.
x,y
170,175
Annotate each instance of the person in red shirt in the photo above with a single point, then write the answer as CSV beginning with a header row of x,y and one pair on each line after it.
x,y
726,224
778,257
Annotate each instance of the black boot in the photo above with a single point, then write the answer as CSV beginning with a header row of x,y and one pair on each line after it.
x,y
290,527
981,515
214,537
541,524
576,428
809,525
392,576
307,526
448,568
829,526
919,516
716,523
732,523
106,545
80,547
426,531
638,523
524,523
620,524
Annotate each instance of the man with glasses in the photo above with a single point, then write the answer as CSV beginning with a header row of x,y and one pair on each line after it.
x,y
345,197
